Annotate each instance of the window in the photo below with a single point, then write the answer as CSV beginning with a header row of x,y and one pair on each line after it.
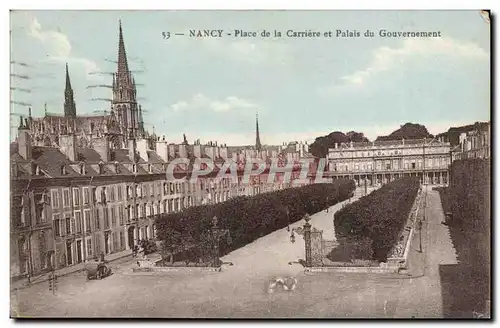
x,y
112,195
107,214
66,198
68,226
76,196
55,198
120,214
57,228
122,239
86,217
78,216
165,188
86,195
104,194
143,211
131,212
98,219
413,165
171,187
158,189
89,247
129,192
148,210
120,193
113,216
151,190
138,191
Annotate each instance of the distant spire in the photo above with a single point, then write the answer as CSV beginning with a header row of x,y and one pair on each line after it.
x,y
45,109
69,101
68,82
258,145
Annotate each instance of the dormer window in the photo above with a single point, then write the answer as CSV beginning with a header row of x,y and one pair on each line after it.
x,y
37,170
63,170
150,168
134,168
82,168
117,167
101,168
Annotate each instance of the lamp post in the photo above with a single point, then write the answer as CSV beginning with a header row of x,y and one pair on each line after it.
x,y
215,234
420,234
288,219
307,239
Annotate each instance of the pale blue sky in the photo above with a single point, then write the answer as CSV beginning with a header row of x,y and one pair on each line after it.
x,y
302,88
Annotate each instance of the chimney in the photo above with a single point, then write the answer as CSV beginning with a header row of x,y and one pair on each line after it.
x,y
132,149
183,151
162,150
67,144
197,150
142,148
336,145
24,141
210,151
171,151
101,146
352,144
223,152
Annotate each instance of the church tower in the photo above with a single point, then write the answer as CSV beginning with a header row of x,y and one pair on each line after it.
x,y
69,101
124,102
258,145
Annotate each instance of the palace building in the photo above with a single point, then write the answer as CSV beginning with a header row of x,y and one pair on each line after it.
x,y
379,162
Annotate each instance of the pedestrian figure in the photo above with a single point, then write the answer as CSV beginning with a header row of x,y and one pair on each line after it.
x,y
102,257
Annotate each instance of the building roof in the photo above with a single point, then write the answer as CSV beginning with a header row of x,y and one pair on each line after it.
x,y
388,143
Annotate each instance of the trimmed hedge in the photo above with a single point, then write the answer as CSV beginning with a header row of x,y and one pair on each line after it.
x,y
470,188
247,218
380,216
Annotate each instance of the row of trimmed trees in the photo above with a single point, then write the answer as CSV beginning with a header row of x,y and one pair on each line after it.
x,y
244,219
378,217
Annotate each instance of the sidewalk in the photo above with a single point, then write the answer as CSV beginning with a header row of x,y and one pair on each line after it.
x,y
23,283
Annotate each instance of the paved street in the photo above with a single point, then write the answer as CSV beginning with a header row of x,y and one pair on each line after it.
x,y
241,290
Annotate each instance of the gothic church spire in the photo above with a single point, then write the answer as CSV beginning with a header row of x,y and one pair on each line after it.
x,y
69,101
258,145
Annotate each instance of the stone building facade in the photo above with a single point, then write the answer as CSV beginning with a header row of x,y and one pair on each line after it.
x,y
380,162
82,186
474,144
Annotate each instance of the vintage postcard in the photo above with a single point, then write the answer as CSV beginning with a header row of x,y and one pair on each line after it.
x,y
250,164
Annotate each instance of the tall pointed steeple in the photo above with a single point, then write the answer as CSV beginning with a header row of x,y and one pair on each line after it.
x,y
124,101
258,145
122,56
69,101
